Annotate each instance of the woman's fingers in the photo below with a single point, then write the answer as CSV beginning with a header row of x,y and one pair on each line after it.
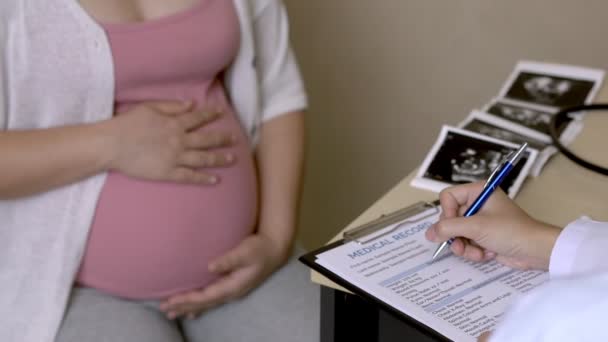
x,y
192,120
199,159
171,107
190,176
207,140
191,161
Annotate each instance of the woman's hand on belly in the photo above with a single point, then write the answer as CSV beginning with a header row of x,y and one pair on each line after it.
x,y
160,141
242,269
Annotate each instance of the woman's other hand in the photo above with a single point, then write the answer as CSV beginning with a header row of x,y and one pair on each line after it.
x,y
160,141
242,269
500,230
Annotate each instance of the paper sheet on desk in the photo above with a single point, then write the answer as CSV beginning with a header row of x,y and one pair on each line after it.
x,y
457,298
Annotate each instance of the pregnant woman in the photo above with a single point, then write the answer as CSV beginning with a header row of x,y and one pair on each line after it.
x,y
153,156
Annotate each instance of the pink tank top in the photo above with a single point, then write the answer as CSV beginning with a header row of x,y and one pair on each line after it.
x,y
154,239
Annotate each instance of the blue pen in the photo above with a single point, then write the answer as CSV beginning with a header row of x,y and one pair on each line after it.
x,y
496,178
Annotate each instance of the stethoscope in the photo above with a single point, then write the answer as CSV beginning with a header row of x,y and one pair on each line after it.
x,y
561,118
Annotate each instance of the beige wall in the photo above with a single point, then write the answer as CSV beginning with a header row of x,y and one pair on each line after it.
x,y
383,75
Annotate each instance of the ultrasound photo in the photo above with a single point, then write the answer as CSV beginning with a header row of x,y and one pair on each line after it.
x,y
497,132
460,156
464,160
549,90
531,118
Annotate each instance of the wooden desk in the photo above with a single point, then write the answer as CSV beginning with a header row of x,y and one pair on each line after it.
x,y
563,192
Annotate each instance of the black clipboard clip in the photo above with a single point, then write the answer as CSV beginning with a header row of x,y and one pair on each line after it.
x,y
358,234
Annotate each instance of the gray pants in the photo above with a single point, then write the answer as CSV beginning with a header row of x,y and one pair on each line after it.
x,y
284,308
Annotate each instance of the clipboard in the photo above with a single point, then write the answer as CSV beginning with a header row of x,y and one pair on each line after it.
x,y
369,232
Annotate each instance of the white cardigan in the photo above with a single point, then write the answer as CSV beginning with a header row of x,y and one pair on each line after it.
x,y
56,69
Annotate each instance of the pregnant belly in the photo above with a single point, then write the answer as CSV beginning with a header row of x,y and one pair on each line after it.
x,y
155,239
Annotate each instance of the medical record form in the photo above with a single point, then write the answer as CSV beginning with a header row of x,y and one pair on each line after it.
x,y
454,297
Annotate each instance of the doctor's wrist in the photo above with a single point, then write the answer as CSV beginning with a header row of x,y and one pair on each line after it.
x,y
545,237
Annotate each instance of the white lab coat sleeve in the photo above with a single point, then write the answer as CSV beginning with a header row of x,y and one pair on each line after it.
x,y
562,310
581,248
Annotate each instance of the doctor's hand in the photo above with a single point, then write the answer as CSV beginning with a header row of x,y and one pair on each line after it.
x,y
485,337
500,230
242,269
